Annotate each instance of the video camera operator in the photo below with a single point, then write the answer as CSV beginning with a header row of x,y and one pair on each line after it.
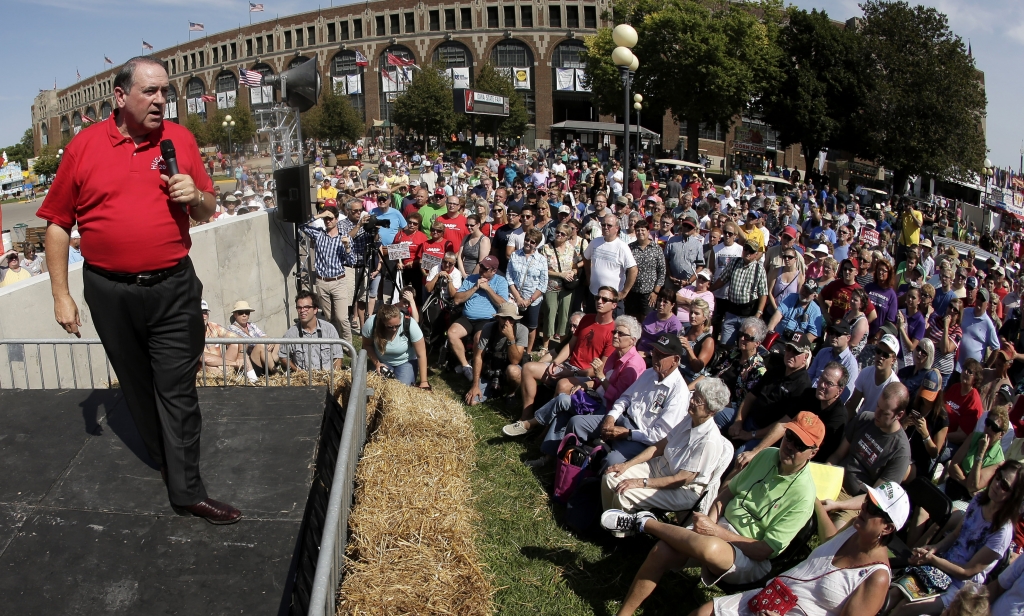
x,y
498,355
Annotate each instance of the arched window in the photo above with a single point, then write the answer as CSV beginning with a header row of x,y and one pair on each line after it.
x,y
571,98
516,57
349,78
76,123
393,79
90,112
458,60
569,54
105,110
195,89
44,137
227,89
171,108
298,61
261,97
65,129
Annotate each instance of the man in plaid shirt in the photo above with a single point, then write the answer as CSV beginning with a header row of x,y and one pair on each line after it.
x,y
748,290
352,226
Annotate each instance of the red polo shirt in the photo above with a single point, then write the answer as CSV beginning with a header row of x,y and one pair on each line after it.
x,y
112,189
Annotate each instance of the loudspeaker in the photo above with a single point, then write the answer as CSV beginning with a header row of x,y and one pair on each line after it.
x,y
300,86
293,194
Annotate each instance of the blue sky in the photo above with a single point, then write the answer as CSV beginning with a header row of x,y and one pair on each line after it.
x,y
49,39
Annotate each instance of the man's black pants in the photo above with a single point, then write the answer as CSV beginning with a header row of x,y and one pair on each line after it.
x,y
154,338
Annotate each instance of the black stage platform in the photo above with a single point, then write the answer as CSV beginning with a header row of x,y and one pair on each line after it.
x,y
85,526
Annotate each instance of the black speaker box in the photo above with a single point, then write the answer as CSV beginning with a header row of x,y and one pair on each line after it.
x,y
293,194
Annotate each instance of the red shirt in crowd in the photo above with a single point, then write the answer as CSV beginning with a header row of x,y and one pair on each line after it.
x,y
112,189
434,249
415,240
454,228
592,340
839,293
963,410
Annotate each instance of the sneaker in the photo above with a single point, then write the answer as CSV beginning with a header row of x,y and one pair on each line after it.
x,y
466,371
540,462
622,524
515,429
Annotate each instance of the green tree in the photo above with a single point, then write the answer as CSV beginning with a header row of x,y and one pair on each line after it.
x,y
242,133
338,119
22,151
703,61
823,87
46,163
198,128
925,113
491,81
427,105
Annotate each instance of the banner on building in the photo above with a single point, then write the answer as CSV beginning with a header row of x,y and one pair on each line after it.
x,y
195,106
171,110
582,84
340,84
226,100
459,77
565,79
354,84
521,78
262,95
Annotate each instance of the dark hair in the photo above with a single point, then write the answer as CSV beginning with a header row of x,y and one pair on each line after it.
x,y
613,290
844,377
332,209
125,77
303,294
1011,508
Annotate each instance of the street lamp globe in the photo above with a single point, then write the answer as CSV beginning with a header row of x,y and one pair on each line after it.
x,y
635,64
232,123
988,163
637,106
60,152
227,118
622,56
224,124
638,98
624,35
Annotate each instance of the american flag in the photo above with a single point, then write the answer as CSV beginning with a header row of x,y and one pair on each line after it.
x,y
255,8
195,27
208,98
252,79
361,59
78,75
396,61
87,119
146,45
107,60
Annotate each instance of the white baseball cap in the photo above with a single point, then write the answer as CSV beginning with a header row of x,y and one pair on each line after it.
x,y
204,305
893,500
76,235
890,341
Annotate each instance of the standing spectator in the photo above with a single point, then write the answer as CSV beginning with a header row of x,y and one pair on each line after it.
x,y
911,325
475,246
723,254
75,249
650,277
528,280
865,267
563,261
334,288
699,289
433,209
748,291
412,237
835,298
979,332
963,405
787,279
837,349
684,254
609,262
503,237
944,331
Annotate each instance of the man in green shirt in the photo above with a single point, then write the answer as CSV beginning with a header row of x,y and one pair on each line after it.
x,y
753,519
433,209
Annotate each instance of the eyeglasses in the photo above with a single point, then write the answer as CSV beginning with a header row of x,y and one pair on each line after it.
x,y
470,225
788,257
621,333
304,308
874,510
882,354
437,230
847,269
1003,484
827,384
561,234
530,242
994,426
356,210
746,338
795,442
604,226
728,234
921,352
602,299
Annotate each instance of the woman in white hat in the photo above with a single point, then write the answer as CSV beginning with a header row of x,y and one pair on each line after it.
x,y
262,356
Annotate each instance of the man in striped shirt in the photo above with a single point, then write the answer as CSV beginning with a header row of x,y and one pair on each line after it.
x,y
334,288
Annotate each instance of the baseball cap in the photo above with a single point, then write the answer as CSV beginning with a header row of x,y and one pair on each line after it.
x,y
889,341
489,262
752,245
439,192
840,328
931,385
971,283
808,427
1006,392
655,185
204,305
508,309
893,500
76,235
669,345
688,221
515,209
791,231
754,213
565,209
983,295
811,286
704,273
798,340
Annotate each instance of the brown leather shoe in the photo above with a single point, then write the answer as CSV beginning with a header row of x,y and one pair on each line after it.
x,y
213,511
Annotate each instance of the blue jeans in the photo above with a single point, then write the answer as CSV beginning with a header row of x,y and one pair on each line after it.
x,y
584,426
556,415
730,329
404,373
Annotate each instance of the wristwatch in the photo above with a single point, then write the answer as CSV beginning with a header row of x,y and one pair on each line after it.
x,y
645,483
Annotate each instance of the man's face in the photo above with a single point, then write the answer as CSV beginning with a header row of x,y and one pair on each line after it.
x,y
600,203
664,364
453,206
848,272
306,310
605,302
488,272
355,210
330,222
143,105
795,359
790,450
76,242
12,262
884,358
885,413
609,228
828,388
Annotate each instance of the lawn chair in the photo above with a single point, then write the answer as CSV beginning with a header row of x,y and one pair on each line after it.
x,y
926,495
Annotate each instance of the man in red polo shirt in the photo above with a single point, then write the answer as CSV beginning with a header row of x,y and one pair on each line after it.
x,y
454,222
140,285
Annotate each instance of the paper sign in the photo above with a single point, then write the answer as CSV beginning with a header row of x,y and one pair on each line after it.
x,y
429,261
828,480
869,236
398,251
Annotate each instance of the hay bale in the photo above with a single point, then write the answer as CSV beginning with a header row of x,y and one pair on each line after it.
x,y
411,549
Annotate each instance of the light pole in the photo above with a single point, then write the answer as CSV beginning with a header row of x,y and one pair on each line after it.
x,y
637,100
625,39
228,124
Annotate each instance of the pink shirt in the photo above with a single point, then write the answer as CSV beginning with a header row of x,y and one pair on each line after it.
x,y
622,372
690,292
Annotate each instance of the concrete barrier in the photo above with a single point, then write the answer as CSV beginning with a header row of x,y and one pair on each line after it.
x,y
250,257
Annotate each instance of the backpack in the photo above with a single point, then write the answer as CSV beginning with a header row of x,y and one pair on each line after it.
x,y
576,462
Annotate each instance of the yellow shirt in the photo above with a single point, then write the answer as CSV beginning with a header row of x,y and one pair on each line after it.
x,y
323,194
13,277
912,221
753,234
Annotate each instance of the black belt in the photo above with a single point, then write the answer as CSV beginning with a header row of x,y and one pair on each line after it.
x,y
143,279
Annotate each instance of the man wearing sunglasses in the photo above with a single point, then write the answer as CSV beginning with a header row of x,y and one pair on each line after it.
x,y
837,348
873,380
754,518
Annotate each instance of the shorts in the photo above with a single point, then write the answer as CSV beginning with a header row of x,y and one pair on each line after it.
x,y
743,569
531,316
472,327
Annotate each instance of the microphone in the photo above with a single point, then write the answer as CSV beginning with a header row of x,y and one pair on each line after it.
x,y
171,158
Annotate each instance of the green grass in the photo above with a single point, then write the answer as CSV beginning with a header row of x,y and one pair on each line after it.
x,y
538,566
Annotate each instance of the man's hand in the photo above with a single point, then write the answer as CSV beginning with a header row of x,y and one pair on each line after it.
x,y
183,190
702,525
652,300
483,283
615,469
735,430
508,330
66,312
744,459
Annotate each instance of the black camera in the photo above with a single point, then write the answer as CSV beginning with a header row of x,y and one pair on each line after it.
x,y
386,371
373,223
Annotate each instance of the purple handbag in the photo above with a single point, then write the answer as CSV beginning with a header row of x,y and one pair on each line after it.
x,y
575,463
583,403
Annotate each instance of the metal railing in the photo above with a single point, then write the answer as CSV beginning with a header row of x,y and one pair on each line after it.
x,y
73,363
331,559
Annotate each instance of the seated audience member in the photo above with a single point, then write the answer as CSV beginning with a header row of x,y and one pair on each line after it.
x,y
592,340
783,382
926,424
447,275
971,550
743,368
1006,592
975,461
646,412
873,380
14,271
675,472
699,289
753,519
611,378
837,348
698,343
915,373
849,572
481,294
660,320
313,356
799,312
824,400
261,356
498,356
392,342
217,358
874,450
963,405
